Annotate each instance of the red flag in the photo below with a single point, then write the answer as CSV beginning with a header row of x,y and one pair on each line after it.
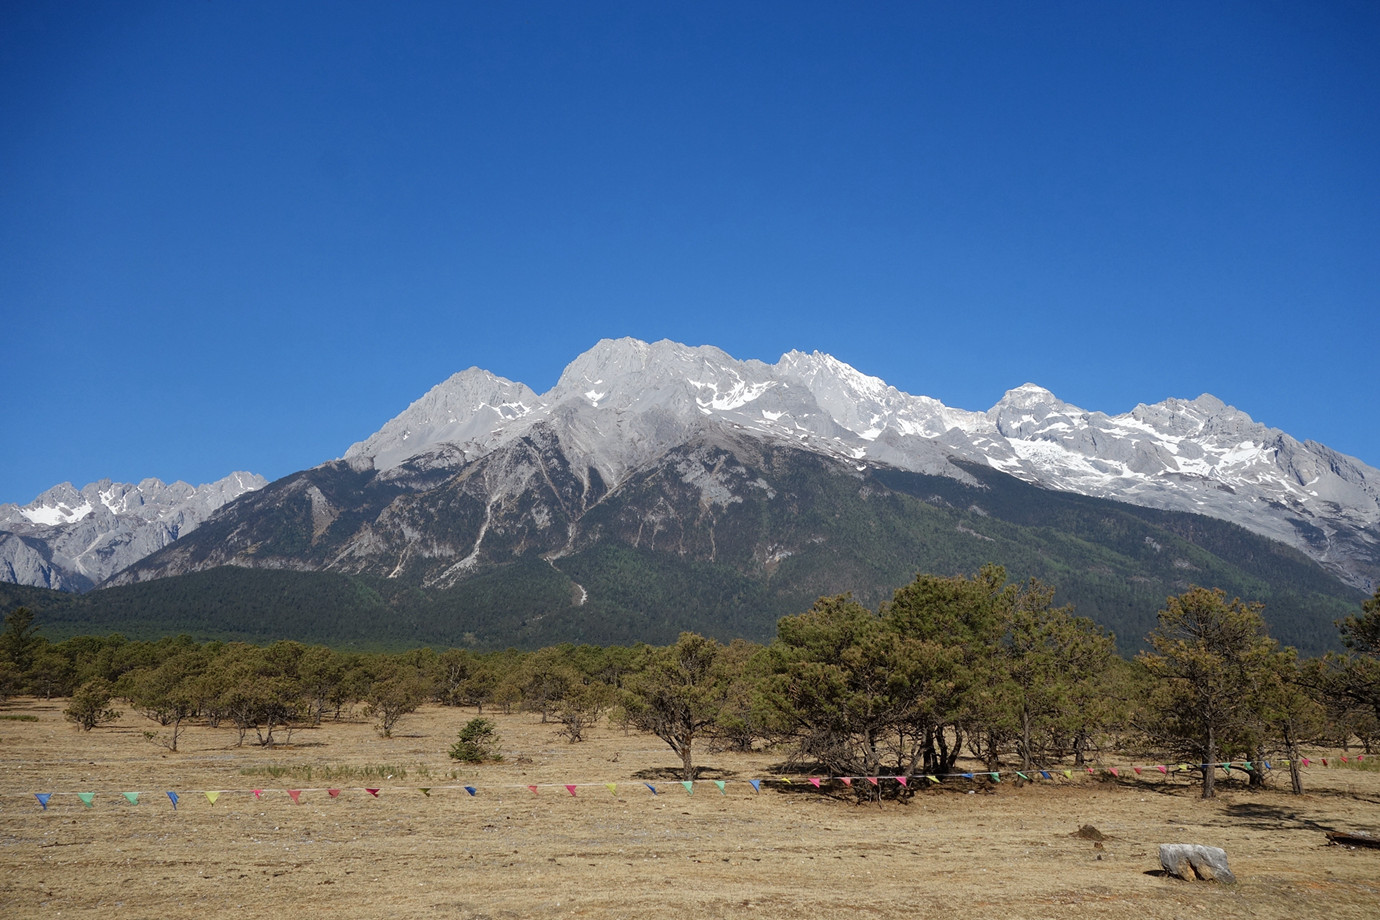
x,y
1137,769
570,788
333,793
373,792
296,795
534,789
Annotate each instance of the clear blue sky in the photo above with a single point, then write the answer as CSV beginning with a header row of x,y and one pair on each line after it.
x,y
242,235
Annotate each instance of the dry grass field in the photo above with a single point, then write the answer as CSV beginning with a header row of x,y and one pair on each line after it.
x,y
1002,851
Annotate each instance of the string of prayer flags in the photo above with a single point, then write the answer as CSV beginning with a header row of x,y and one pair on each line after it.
x,y
86,798
212,796
172,797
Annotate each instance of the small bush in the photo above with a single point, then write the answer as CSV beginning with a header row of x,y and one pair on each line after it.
x,y
478,742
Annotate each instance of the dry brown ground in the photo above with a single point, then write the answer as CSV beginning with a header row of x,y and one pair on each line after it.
x,y
1005,852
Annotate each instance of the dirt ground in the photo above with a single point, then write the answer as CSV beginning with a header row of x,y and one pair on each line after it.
x,y
1002,851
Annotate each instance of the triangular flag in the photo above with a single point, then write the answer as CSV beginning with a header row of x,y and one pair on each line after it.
x,y
612,788
43,798
1068,774
1022,776
902,781
258,793
932,779
212,796
86,798
172,797
1306,761
333,793
786,780
1246,765
651,787
689,786
133,797
872,780
373,792
1090,771
814,781
425,790
1045,774
471,790
1137,769
847,780
756,785
996,777
1162,768
967,776
1267,765
1360,757
1324,761
1344,760
1112,770
570,788
295,795
534,789
720,784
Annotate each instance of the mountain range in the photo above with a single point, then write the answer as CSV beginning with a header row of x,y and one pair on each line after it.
x,y
658,486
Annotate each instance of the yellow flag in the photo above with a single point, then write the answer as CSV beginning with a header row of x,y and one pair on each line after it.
x,y
212,796
612,787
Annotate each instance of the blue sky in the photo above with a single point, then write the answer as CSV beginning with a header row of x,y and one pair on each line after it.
x,y
244,235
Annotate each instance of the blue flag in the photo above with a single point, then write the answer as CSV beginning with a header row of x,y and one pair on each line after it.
x,y
172,797
43,798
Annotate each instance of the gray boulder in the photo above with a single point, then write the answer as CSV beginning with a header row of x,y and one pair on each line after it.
x,y
1195,862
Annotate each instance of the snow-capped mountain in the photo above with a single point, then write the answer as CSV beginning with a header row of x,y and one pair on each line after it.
x,y
71,539
626,402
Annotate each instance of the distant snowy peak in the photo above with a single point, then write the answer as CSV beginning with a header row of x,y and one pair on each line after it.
x,y
72,539
473,405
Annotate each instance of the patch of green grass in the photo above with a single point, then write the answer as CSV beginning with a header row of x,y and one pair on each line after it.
x,y
18,718
328,772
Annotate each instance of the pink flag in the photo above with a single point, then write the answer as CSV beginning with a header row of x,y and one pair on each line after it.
x,y
1112,770
847,780
1161,768
814,781
333,793
902,780
534,789
258,793
872,780
570,788
1137,769
373,792
296,795
1306,761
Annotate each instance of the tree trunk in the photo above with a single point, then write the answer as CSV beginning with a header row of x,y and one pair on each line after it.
x,y
1209,765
